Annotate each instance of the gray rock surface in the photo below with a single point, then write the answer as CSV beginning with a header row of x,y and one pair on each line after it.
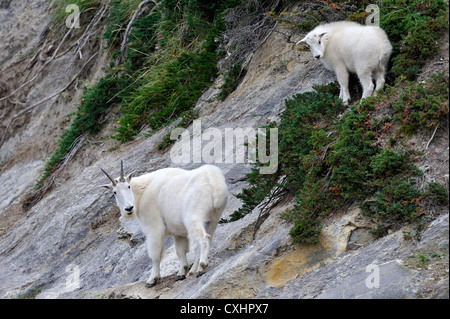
x,y
72,243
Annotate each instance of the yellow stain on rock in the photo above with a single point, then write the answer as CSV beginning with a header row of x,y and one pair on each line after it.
x,y
292,264
305,258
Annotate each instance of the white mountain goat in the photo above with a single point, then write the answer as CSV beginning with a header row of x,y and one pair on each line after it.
x,y
177,202
348,46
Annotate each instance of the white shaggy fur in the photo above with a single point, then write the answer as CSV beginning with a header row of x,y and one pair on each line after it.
x,y
348,46
177,202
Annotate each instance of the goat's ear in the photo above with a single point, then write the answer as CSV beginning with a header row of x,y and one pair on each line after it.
x,y
108,186
130,176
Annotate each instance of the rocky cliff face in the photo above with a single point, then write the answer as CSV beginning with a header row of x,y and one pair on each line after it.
x,y
72,244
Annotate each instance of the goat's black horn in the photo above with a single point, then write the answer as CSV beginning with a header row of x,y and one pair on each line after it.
x,y
122,178
110,178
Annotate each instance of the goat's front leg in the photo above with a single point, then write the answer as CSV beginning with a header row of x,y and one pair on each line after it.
x,y
155,246
342,77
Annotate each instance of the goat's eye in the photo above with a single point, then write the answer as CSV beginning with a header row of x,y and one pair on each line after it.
x,y
319,41
115,193
129,186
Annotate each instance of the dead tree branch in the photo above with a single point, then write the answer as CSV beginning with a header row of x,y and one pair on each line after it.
x,y
36,196
432,137
276,196
248,27
81,42
40,70
136,13
287,37
101,12
29,108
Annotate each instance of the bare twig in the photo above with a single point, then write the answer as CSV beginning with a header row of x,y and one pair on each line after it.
x,y
286,36
29,108
39,71
128,29
81,42
432,136
274,199
326,180
322,157
237,180
247,29
36,196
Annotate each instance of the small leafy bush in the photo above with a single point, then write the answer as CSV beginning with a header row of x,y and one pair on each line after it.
x,y
422,104
152,87
173,77
413,27
168,91
231,81
327,163
95,102
299,137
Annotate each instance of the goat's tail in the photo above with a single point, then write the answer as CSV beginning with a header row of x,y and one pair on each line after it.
x,y
384,58
219,189
220,197
381,67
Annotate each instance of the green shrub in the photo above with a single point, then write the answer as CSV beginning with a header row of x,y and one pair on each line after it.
x,y
167,93
422,104
394,201
95,102
387,163
413,27
438,193
152,86
231,81
300,139
327,163
175,76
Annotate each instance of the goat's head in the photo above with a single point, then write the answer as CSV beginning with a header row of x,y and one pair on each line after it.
x,y
122,192
317,43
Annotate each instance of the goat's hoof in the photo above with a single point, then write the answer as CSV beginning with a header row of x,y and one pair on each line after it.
x,y
151,283
200,273
180,277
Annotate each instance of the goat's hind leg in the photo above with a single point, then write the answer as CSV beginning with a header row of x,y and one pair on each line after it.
x,y
204,249
366,82
203,239
181,248
379,78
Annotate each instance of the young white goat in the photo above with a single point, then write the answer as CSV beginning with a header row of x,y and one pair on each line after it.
x,y
177,202
348,46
